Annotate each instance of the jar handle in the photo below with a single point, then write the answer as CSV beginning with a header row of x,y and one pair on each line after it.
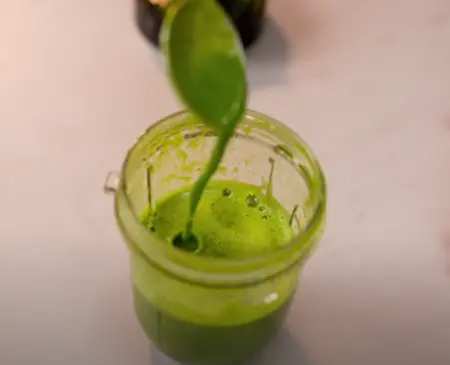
x,y
112,182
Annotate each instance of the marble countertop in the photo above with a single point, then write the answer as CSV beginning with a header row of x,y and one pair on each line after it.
x,y
366,83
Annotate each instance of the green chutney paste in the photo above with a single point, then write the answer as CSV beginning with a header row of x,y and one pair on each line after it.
x,y
233,220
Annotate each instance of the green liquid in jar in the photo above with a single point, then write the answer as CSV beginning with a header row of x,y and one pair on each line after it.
x,y
233,220
199,344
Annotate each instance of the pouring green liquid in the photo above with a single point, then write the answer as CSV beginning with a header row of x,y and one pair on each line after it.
x,y
219,219
222,293
207,66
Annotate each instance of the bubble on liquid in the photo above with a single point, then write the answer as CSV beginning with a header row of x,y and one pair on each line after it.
x,y
227,192
264,217
252,201
262,208
153,229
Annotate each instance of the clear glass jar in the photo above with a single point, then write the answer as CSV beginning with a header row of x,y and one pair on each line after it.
x,y
247,16
201,310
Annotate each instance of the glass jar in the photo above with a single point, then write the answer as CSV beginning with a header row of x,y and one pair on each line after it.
x,y
247,16
202,310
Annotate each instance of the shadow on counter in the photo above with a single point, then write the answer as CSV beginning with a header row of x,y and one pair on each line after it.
x,y
283,349
268,58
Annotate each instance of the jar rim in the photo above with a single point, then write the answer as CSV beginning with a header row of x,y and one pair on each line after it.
x,y
224,271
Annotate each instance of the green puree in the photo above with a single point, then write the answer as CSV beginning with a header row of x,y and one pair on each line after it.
x,y
233,220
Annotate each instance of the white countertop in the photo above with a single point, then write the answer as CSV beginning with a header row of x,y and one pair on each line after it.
x,y
366,83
